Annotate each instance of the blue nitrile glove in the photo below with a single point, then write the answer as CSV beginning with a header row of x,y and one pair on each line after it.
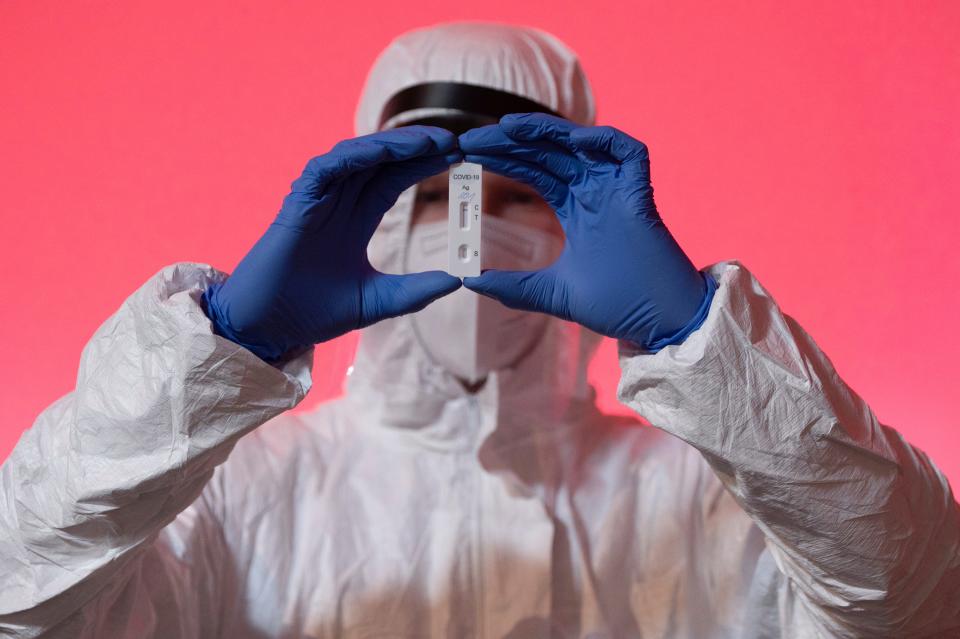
x,y
621,273
308,280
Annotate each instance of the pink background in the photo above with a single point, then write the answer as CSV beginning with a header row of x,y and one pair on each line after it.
x,y
816,142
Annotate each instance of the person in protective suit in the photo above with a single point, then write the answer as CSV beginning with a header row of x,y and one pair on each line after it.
x,y
466,485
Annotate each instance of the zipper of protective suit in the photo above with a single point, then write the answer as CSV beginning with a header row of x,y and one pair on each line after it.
x,y
476,414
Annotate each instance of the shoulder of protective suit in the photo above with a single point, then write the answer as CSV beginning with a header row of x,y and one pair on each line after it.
x,y
642,449
659,470
291,444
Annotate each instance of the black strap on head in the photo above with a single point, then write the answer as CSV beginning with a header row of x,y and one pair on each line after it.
x,y
474,105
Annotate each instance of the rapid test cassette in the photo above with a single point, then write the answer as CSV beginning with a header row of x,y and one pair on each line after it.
x,y
463,235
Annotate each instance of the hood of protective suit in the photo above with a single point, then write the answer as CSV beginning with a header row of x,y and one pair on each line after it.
x,y
392,372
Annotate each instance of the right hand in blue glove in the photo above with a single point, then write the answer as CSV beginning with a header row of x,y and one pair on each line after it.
x,y
308,280
621,273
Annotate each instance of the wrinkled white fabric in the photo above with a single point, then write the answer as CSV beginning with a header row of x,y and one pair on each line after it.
x,y
480,521
767,502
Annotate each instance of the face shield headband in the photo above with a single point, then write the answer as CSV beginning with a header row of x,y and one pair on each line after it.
x,y
454,106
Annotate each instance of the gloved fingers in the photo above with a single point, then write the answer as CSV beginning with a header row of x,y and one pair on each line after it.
x,y
548,185
539,126
405,140
394,178
350,194
606,139
524,290
340,161
357,154
388,181
386,295
330,209
491,140
404,144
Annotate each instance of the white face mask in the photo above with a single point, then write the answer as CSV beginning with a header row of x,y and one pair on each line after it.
x,y
469,334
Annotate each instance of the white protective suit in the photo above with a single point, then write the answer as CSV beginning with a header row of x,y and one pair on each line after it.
x,y
767,502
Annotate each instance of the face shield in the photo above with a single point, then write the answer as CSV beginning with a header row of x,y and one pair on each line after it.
x,y
455,106
460,76
467,334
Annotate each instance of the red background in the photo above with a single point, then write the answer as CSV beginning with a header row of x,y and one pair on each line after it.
x,y
817,142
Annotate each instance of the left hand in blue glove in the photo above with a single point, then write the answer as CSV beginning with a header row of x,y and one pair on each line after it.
x,y
621,273
308,279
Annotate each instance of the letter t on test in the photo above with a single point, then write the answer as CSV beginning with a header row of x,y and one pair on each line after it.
x,y
463,224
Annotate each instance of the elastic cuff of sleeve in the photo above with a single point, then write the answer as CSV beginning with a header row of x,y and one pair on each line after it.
x,y
273,356
693,324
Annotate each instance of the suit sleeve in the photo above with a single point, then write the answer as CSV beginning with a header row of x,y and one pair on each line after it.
x,y
106,528
862,524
